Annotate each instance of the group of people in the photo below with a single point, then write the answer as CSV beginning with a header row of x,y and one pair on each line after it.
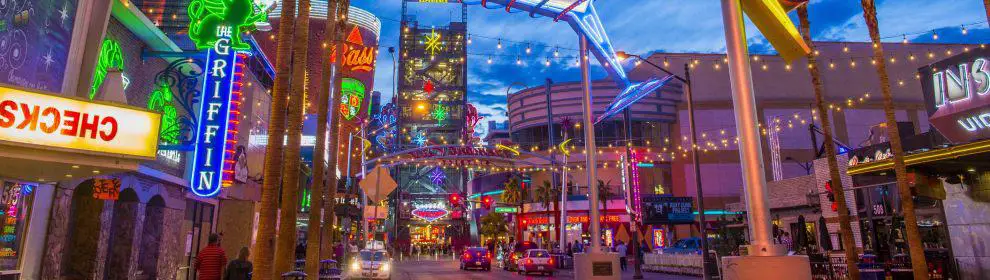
x,y
619,247
211,262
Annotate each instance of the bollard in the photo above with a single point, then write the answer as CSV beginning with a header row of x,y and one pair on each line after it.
x,y
300,265
329,270
294,275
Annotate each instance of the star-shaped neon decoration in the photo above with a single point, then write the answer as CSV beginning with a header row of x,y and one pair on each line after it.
x,y
419,139
440,113
433,43
437,176
428,87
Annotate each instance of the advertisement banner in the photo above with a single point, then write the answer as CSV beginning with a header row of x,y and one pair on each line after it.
x,y
36,36
956,96
662,210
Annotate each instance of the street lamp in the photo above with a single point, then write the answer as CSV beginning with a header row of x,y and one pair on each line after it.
x,y
686,80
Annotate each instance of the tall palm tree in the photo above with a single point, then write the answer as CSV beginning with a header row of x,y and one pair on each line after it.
x,y
603,194
493,225
263,247
332,35
917,253
285,246
986,5
544,195
512,195
833,163
314,241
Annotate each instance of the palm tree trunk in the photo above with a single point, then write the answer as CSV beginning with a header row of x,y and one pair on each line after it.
x,y
285,247
330,79
314,243
845,228
917,253
986,5
263,249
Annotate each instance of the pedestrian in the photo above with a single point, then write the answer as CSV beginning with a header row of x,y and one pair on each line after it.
x,y
785,239
210,260
621,249
239,268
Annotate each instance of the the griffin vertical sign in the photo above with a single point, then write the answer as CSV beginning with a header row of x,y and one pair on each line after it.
x,y
216,129
957,93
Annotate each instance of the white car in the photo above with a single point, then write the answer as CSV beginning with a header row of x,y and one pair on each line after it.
x,y
370,264
536,260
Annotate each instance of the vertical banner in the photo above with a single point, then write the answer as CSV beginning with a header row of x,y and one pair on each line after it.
x,y
216,130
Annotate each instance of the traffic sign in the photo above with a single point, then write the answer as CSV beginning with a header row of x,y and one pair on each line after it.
x,y
506,209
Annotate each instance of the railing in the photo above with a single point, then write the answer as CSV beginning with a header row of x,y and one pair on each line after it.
x,y
686,264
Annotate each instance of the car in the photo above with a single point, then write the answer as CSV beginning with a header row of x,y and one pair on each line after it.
x,y
371,264
518,249
690,245
535,260
476,257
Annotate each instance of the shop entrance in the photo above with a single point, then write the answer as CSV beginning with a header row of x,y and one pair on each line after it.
x,y
121,243
429,239
84,238
151,238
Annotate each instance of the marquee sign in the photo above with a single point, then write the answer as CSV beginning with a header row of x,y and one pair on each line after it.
x,y
58,122
430,211
573,219
956,90
219,114
459,151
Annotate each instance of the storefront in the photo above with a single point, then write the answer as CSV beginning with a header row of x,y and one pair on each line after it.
x,y
542,227
947,171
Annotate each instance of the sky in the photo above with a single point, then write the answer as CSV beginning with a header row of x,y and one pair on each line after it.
x,y
642,27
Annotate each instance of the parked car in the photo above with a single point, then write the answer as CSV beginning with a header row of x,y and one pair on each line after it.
x,y
476,257
535,260
690,245
518,249
371,264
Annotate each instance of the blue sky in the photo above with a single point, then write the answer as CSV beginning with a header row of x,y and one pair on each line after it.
x,y
645,26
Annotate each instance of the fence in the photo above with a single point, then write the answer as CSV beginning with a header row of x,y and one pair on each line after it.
x,y
687,264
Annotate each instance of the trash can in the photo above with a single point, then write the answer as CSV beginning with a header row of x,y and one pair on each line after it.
x,y
294,275
329,269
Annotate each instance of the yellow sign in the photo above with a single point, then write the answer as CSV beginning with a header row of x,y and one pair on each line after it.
x,y
771,18
60,122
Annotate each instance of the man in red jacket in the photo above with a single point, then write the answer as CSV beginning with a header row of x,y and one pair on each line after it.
x,y
210,260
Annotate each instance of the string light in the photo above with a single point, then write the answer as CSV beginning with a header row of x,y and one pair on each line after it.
x,y
905,40
556,52
934,35
489,59
528,48
964,31
499,44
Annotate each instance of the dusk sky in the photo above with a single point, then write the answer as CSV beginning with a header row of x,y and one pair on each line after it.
x,y
643,27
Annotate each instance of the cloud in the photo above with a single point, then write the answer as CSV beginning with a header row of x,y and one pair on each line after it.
x,y
904,17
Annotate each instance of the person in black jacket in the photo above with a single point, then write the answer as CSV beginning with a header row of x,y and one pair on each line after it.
x,y
239,268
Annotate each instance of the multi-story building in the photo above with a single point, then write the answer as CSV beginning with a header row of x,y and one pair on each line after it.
x,y
785,103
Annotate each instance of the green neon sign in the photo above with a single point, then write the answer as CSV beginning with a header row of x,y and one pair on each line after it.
x,y
351,97
161,101
440,113
506,209
207,16
111,56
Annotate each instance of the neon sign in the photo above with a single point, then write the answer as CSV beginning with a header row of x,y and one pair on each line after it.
x,y
351,97
433,43
440,113
219,115
205,16
111,56
161,101
361,58
959,95
430,212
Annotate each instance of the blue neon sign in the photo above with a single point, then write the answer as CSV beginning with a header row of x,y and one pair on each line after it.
x,y
216,126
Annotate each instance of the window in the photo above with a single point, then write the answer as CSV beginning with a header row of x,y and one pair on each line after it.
x,y
539,254
15,202
367,256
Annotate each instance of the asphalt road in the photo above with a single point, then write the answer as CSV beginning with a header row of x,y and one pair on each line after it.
x,y
447,269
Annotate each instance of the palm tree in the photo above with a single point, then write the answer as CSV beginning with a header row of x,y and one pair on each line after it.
x,y
833,163
285,246
493,225
917,253
314,240
603,195
332,35
544,195
512,195
263,249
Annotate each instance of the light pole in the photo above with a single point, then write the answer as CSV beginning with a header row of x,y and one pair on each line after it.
x,y
686,80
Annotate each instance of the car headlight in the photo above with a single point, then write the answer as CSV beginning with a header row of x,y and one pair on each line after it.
x,y
355,266
385,267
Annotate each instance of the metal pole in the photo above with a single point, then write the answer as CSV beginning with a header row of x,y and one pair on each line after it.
x,y
702,224
364,173
750,152
347,174
563,201
633,228
589,147
553,180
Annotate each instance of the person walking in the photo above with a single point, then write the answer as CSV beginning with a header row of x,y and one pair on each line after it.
x,y
239,268
621,250
210,261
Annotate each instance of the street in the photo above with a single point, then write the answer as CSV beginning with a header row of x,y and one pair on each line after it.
x,y
448,270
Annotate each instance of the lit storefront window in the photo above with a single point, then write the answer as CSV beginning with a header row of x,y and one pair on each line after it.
x,y
14,210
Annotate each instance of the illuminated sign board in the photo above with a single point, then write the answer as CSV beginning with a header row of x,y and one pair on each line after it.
x,y
430,211
572,220
956,90
219,114
506,209
665,209
52,121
